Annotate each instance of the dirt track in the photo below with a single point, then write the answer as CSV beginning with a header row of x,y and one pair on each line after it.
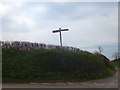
x,y
110,82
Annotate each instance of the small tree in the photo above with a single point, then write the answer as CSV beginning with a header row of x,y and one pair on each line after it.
x,y
100,49
116,55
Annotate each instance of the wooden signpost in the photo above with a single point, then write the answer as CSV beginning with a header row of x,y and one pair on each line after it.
x,y
55,31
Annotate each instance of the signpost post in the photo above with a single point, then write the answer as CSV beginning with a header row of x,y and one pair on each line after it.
x,y
55,31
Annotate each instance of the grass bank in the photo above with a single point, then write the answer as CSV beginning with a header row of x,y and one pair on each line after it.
x,y
52,65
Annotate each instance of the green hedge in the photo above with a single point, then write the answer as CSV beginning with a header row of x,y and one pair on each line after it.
x,y
116,62
52,65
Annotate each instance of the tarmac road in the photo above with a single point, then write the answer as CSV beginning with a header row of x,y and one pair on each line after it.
x,y
110,82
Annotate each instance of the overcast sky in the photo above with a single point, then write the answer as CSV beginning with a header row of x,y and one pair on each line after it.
x,y
90,24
